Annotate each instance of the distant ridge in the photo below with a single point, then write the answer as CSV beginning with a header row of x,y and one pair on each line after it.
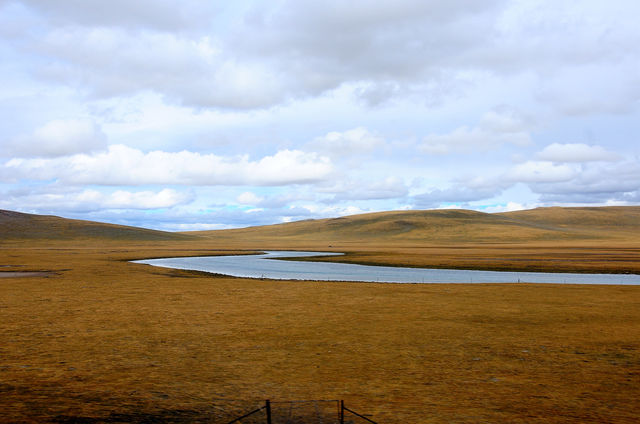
x,y
454,226
23,226
414,227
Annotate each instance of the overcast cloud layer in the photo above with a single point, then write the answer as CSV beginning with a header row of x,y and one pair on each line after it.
x,y
188,115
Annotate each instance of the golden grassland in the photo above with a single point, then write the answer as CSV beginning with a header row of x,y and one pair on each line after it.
x,y
104,340
605,240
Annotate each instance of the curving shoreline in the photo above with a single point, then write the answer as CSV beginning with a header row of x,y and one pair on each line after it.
x,y
254,266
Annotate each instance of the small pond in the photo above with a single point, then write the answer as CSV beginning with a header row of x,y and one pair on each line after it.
x,y
263,266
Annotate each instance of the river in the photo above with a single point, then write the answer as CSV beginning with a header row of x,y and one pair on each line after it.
x,y
264,266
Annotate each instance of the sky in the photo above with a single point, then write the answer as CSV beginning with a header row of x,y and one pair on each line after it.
x,y
198,115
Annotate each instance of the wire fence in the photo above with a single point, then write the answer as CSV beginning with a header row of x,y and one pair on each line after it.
x,y
302,412
200,409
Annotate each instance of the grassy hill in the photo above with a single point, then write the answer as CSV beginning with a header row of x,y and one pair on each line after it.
x,y
605,239
22,226
427,227
604,221
453,226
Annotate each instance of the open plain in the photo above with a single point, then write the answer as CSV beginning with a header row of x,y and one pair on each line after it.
x,y
100,339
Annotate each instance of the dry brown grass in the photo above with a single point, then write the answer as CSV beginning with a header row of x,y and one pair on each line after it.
x,y
437,227
103,337
549,239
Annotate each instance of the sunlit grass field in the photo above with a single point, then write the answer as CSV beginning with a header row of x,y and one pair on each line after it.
x,y
100,339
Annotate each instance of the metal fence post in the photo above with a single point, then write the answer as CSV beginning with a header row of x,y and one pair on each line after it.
x,y
268,408
342,412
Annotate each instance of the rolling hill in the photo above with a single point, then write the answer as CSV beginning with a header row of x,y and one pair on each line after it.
x,y
452,226
22,226
430,227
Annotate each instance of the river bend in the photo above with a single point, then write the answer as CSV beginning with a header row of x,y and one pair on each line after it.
x,y
263,266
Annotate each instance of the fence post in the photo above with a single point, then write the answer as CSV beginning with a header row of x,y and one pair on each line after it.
x,y
342,412
268,408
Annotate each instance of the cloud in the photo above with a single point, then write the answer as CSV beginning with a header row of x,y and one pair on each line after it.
x,y
387,48
182,219
496,128
122,165
460,140
354,142
576,153
319,101
377,93
542,172
588,182
89,200
112,62
456,194
330,192
156,14
461,192
506,121
248,198
597,178
318,212
389,188
275,53
258,55
123,199
59,138
508,207
612,88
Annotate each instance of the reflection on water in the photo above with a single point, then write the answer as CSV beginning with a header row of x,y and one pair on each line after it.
x,y
261,266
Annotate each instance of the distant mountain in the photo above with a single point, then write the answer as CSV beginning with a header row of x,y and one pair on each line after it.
x,y
16,225
452,226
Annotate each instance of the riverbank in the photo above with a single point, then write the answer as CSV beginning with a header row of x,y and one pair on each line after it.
x,y
288,265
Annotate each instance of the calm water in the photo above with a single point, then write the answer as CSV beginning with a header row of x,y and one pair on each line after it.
x,y
262,266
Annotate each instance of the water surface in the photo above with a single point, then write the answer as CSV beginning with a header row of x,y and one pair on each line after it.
x,y
262,266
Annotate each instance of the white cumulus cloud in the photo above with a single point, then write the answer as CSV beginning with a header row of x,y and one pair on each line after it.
x,y
249,198
576,153
388,188
122,165
357,141
90,200
496,128
59,138
541,172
